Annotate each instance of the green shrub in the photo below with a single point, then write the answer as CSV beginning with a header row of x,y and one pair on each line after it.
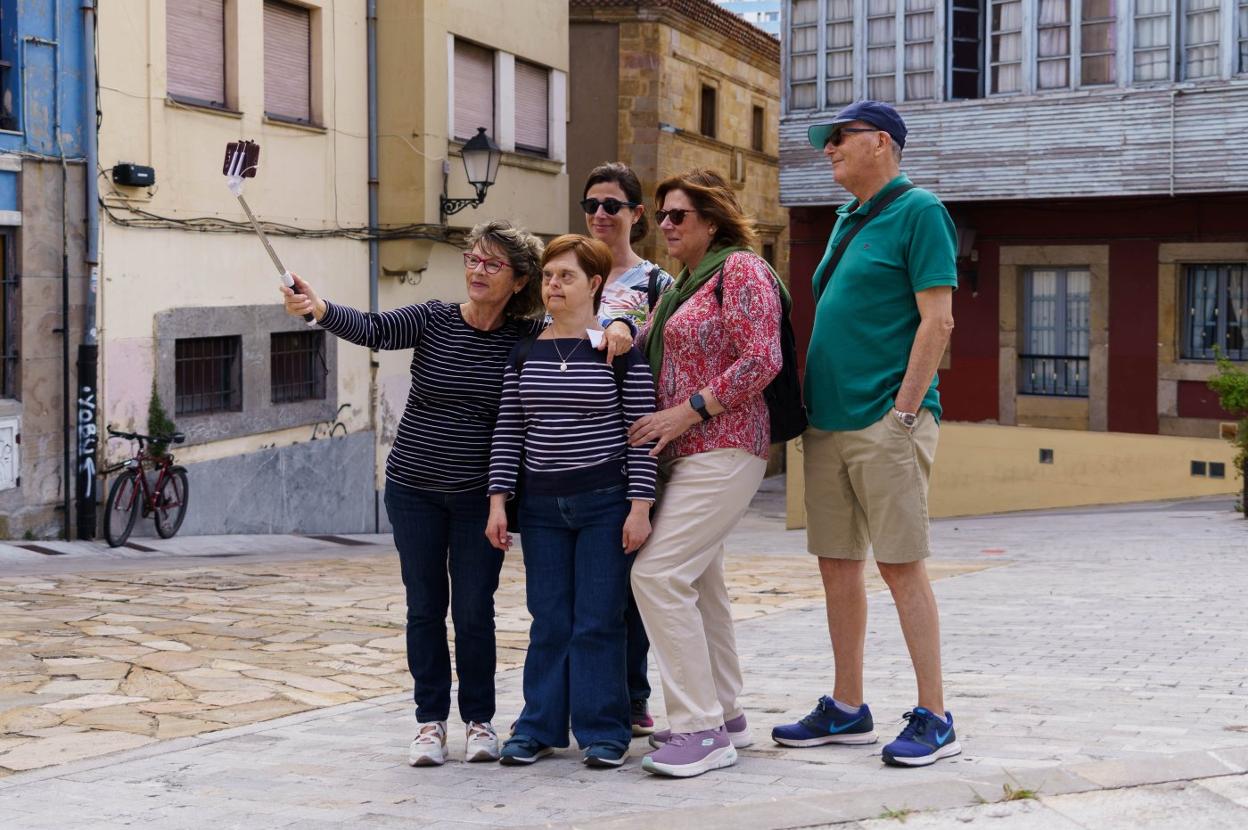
x,y
158,423
1231,386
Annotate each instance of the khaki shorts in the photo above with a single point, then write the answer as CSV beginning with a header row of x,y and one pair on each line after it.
x,y
868,488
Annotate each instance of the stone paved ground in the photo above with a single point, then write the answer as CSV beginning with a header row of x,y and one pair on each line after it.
x,y
1108,652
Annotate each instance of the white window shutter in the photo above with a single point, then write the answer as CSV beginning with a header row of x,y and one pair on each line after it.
x,y
195,50
474,89
287,61
532,108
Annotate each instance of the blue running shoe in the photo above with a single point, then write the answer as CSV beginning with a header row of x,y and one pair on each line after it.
x,y
925,740
521,749
827,724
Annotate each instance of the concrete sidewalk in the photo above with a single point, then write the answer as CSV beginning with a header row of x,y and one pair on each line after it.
x,y
1106,652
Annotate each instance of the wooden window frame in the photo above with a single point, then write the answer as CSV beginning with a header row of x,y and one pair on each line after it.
x,y
708,121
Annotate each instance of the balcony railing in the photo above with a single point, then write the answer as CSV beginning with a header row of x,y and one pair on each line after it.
x,y
1059,375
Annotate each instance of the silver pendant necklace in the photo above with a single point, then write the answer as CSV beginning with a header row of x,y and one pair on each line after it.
x,y
563,361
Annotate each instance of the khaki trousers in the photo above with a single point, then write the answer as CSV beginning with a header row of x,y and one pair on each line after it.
x,y
678,581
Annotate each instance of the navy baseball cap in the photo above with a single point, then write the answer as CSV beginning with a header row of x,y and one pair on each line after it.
x,y
876,113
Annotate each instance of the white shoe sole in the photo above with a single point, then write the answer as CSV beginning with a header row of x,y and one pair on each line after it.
x,y
740,740
481,754
718,759
945,751
513,761
823,740
426,759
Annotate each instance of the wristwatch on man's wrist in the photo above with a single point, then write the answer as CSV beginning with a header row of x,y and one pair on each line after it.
x,y
699,406
908,419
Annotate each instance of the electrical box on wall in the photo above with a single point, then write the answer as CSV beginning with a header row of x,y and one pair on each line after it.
x,y
10,443
133,175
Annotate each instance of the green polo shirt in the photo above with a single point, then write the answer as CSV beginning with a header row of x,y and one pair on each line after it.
x,y
867,317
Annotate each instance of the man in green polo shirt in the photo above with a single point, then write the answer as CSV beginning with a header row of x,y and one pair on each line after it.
x,y
883,316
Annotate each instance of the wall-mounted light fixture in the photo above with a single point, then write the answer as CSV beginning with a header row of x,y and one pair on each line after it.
x,y
481,158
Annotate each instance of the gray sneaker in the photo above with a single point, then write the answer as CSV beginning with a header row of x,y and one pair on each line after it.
x,y
428,748
738,733
686,754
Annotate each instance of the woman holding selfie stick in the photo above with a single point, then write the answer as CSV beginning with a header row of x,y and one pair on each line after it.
x,y
438,468
585,502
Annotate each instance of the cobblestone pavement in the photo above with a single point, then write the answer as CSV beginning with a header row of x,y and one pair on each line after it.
x,y
1112,640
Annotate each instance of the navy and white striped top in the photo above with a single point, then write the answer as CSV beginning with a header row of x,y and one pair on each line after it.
x,y
443,440
572,426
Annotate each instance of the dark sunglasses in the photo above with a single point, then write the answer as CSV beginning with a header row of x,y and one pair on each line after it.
x,y
611,206
677,215
838,134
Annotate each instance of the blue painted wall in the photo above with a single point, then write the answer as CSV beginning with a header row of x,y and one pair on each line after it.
x,y
42,87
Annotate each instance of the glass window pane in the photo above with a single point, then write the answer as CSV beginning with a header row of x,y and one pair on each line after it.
x,y
805,11
1099,69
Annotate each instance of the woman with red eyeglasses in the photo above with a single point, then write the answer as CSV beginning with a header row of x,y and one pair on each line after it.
x,y
713,343
438,468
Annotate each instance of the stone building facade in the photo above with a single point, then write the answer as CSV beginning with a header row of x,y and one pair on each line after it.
x,y
665,85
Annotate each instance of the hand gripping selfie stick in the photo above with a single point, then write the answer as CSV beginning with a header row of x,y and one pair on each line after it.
x,y
241,160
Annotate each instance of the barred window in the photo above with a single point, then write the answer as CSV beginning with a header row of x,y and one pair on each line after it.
x,y
1154,22
803,55
1056,305
1098,31
297,366
920,56
1053,44
965,53
1201,24
839,78
1005,57
882,50
1216,311
1243,35
208,375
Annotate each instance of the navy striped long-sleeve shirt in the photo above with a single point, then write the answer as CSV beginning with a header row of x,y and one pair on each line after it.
x,y
571,428
443,439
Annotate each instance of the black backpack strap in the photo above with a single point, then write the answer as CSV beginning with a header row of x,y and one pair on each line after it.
x,y
881,203
522,352
619,367
719,287
652,288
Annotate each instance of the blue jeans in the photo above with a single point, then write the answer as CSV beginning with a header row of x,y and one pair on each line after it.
x,y
577,587
638,652
431,531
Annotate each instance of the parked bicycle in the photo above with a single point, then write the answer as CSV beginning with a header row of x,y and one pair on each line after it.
x,y
149,484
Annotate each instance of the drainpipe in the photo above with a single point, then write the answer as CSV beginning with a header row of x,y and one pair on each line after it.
x,y
374,246
88,350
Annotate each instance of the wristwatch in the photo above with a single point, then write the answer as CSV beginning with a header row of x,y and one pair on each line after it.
x,y
699,406
908,419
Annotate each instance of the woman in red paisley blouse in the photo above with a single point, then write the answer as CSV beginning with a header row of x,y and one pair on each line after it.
x,y
713,343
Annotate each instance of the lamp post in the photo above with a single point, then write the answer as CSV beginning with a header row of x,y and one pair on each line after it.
x,y
481,158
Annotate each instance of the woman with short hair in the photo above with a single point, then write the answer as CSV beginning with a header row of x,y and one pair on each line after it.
x,y
438,468
713,343
585,497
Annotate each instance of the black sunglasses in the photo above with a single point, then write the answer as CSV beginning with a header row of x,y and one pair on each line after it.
x,y
838,135
677,215
611,206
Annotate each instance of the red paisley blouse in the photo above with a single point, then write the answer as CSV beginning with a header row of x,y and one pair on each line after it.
x,y
734,349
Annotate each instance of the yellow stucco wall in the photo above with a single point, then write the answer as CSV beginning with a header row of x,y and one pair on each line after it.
x,y
984,468
311,177
416,138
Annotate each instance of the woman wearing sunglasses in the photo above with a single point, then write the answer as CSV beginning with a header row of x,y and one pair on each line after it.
x,y
615,216
438,468
584,506
713,343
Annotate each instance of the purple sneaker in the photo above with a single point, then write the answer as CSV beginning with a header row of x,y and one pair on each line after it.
x,y
738,733
686,754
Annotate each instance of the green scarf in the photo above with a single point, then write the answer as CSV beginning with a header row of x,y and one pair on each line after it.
x,y
687,284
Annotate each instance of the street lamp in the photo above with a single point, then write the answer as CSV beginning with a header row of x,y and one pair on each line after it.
x,y
481,157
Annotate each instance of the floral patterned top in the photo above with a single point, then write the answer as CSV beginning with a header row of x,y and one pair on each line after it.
x,y
628,296
734,349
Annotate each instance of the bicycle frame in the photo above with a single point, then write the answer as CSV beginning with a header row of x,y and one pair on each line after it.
x,y
143,459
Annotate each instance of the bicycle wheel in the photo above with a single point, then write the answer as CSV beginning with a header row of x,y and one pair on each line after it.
x,y
171,502
122,508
